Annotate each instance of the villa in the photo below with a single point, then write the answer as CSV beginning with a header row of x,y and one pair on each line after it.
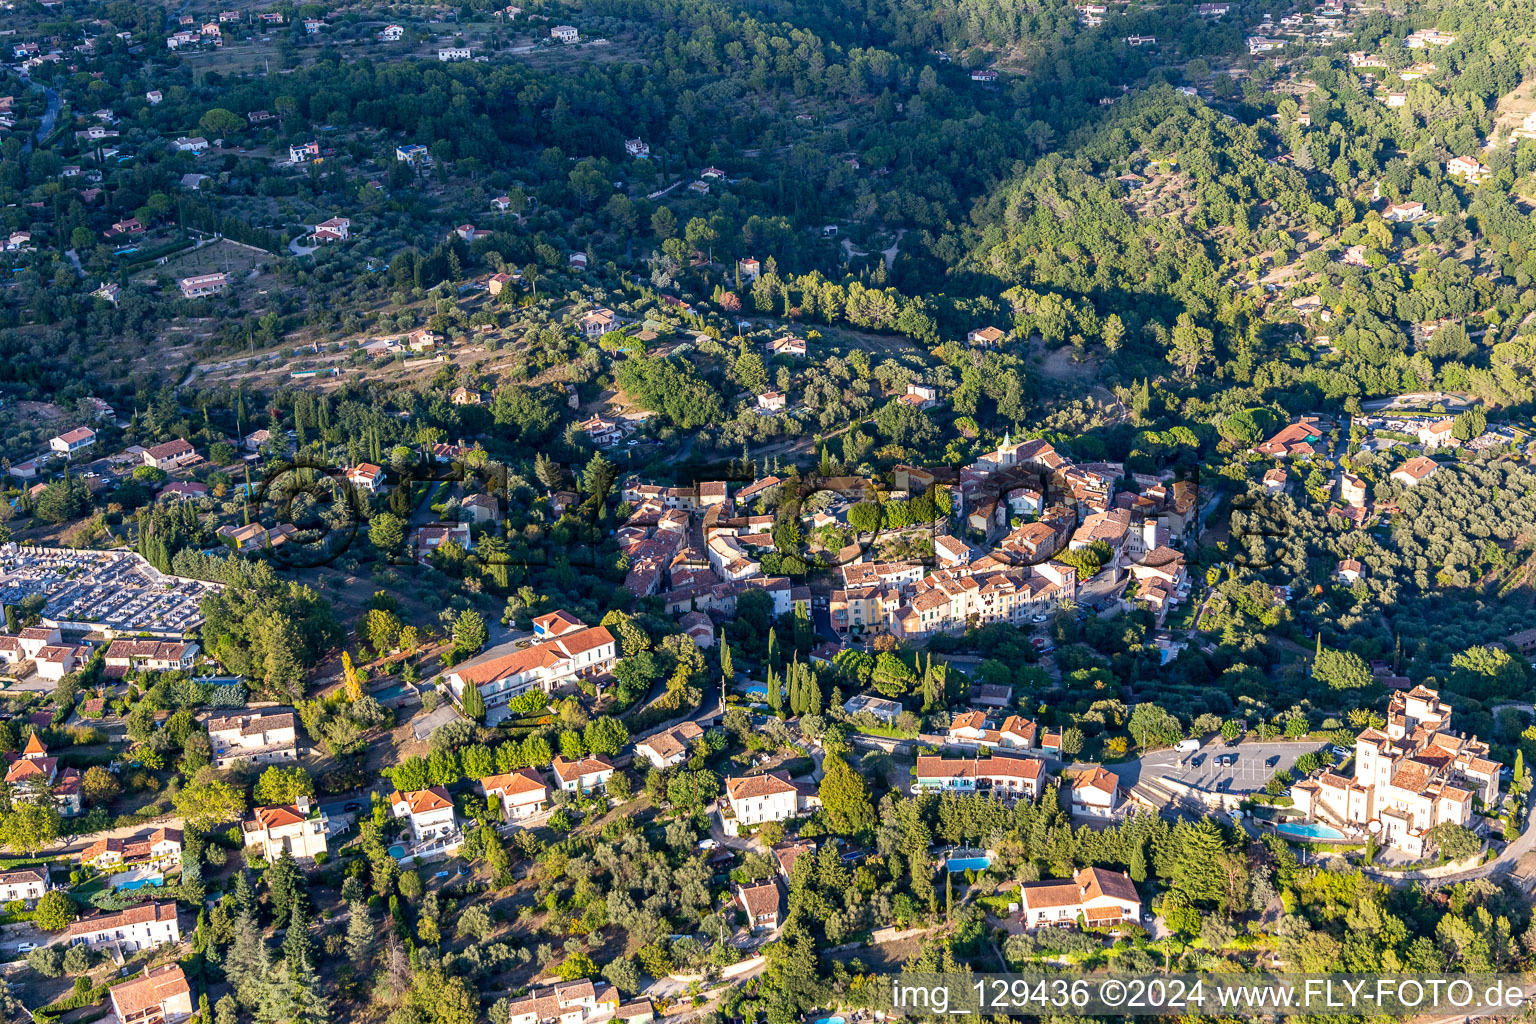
x,y
1409,778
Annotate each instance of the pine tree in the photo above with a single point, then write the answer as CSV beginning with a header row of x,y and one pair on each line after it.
x,y
298,947
243,896
726,670
549,472
283,886
773,648
248,963
359,936
200,941
775,701
301,998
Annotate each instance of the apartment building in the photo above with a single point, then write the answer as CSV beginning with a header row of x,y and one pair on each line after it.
x,y
262,737
1007,776
755,799
952,600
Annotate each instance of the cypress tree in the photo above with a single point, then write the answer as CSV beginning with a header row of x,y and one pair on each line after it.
x,y
812,693
1138,863
474,703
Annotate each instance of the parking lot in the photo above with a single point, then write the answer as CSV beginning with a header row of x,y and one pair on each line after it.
x,y
1256,763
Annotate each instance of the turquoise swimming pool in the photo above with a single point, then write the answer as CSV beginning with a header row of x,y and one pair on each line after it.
x,y
828,1020
958,864
1310,830
397,852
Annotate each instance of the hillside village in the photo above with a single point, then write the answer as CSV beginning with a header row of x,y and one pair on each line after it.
x,y
641,512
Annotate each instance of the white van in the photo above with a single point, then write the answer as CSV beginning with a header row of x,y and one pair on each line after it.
x,y
1187,746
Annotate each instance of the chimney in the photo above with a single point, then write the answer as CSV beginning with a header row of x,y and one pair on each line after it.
x,y
302,803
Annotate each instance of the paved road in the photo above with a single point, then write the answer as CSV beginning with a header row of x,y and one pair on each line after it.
x,y
49,118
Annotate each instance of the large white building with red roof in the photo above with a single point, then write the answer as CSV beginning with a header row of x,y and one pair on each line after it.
x,y
570,652
144,926
755,799
1008,776
1410,777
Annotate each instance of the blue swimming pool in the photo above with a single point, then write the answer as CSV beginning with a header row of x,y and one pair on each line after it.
x,y
828,1020
397,852
958,864
1309,830
139,884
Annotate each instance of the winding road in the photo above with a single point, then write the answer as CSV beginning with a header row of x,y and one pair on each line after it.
x,y
50,116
